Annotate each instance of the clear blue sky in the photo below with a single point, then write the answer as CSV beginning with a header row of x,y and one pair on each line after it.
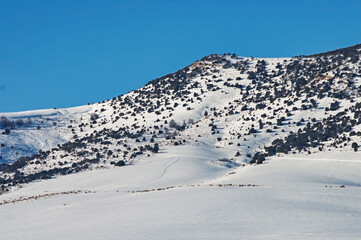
x,y
67,53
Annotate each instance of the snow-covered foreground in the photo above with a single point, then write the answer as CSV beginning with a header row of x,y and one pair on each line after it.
x,y
295,197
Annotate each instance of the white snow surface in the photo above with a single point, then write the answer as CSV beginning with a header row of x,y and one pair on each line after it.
x,y
294,197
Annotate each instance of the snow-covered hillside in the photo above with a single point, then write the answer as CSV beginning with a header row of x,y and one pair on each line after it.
x,y
228,147
253,108
32,131
179,195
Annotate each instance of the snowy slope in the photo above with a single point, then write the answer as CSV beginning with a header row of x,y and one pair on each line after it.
x,y
27,139
283,199
228,147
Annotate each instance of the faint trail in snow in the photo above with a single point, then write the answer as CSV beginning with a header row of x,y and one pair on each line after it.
x,y
47,195
183,186
165,170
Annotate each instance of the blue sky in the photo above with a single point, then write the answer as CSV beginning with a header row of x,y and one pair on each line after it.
x,y
68,53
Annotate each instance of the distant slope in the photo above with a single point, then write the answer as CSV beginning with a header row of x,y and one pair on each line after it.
x,y
32,131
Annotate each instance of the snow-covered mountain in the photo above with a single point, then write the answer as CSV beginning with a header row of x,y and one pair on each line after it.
x,y
252,108
227,147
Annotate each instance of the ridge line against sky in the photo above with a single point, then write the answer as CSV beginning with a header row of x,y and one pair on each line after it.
x,y
68,53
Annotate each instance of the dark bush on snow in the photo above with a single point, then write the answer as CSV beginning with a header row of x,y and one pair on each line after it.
x,y
120,163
